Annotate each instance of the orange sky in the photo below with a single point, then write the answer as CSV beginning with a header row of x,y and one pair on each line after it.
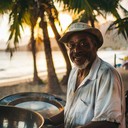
x,y
64,17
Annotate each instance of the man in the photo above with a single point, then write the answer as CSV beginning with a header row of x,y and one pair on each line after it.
x,y
95,94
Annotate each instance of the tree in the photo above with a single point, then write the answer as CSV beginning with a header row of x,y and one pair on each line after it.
x,y
121,24
22,11
53,16
53,81
88,10
28,12
102,7
33,20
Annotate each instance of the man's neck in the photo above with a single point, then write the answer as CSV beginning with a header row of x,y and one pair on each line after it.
x,y
82,73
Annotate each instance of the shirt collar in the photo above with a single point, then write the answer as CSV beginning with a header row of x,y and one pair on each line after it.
x,y
94,69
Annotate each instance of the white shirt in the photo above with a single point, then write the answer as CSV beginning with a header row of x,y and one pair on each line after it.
x,y
99,97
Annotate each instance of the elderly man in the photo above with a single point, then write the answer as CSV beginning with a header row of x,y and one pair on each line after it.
x,y
95,94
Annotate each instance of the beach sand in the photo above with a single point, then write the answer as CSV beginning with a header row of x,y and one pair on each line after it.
x,y
28,86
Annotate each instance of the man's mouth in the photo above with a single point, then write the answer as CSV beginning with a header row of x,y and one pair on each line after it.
x,y
77,55
77,58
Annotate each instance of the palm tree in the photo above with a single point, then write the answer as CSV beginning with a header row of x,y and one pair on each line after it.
x,y
5,5
28,12
33,20
53,81
64,51
86,9
103,8
121,24
52,16
22,11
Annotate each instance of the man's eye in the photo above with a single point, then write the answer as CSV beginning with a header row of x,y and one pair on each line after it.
x,y
84,44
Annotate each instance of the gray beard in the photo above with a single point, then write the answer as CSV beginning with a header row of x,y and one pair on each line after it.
x,y
83,66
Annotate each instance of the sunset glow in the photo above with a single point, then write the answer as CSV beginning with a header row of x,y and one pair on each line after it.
x,y
65,20
64,17
4,27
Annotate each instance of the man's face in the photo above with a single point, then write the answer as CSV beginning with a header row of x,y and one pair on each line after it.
x,y
82,49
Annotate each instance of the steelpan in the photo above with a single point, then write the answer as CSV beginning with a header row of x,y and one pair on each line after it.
x,y
45,104
14,117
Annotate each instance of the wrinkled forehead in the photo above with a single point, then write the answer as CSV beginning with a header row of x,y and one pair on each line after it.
x,y
80,35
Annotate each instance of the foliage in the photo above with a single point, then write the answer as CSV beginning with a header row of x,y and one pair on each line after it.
x,y
102,7
5,5
121,24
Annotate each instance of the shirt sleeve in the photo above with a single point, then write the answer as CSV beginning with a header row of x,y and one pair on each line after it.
x,y
108,98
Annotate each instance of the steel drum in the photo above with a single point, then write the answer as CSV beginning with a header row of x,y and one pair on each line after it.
x,y
14,117
45,104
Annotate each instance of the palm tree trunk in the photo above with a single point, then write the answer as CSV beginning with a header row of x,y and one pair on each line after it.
x,y
92,22
36,78
63,50
53,81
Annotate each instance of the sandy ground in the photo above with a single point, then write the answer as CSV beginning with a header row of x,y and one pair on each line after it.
x,y
28,86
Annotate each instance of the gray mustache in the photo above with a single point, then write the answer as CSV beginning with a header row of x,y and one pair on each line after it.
x,y
79,54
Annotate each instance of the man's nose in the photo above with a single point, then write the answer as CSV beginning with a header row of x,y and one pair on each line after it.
x,y
77,48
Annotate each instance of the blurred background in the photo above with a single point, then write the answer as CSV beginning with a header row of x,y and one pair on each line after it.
x,y
30,52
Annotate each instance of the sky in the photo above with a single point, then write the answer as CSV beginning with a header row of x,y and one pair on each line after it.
x,y
65,20
125,4
64,17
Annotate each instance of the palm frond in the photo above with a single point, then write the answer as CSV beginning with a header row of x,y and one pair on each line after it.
x,y
121,25
5,6
16,19
52,12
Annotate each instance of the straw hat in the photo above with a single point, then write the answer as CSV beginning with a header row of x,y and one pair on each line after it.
x,y
80,26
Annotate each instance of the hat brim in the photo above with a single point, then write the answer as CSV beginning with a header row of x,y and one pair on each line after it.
x,y
92,31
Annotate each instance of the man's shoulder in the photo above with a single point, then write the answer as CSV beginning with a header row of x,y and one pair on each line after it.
x,y
106,67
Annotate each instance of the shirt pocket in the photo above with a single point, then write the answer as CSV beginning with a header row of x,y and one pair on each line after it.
x,y
81,105
85,100
82,111
86,103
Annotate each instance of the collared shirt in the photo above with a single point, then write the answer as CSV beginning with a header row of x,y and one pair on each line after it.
x,y
99,97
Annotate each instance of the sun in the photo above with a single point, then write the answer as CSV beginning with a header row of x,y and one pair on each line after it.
x,y
65,19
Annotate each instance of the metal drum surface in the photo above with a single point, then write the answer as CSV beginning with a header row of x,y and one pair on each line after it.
x,y
14,117
45,104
